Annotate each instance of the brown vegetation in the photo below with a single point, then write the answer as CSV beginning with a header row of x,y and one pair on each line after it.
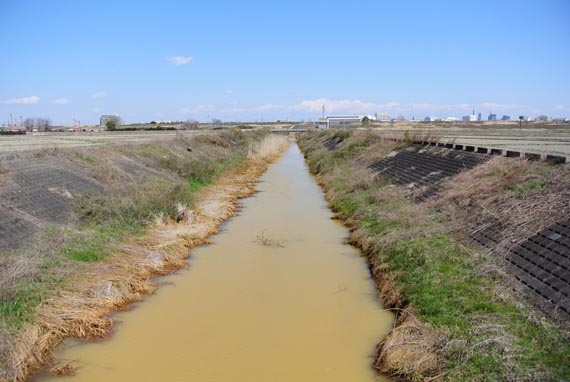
x,y
522,196
266,241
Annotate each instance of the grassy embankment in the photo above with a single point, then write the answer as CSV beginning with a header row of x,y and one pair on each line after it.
x,y
102,221
459,318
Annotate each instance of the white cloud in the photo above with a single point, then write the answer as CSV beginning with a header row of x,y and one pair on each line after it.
x,y
335,106
356,106
179,60
23,101
348,106
98,95
438,107
266,107
561,108
392,105
60,101
493,106
197,109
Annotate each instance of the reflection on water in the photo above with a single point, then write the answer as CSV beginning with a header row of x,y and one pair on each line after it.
x,y
252,313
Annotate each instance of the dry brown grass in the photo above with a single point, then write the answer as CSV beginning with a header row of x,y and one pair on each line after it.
x,y
421,136
500,191
62,369
409,351
269,148
267,241
5,175
13,269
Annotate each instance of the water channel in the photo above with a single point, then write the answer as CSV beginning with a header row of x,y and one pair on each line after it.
x,y
243,312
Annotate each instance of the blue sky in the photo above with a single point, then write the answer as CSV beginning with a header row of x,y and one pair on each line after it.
x,y
264,60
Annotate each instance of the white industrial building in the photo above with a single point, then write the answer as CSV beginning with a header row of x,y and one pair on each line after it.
x,y
382,117
342,121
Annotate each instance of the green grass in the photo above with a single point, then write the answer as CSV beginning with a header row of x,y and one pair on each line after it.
x,y
20,308
348,151
96,244
87,158
520,190
341,135
196,184
17,305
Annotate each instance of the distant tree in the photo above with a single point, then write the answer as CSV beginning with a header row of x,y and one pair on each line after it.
x,y
111,125
542,118
400,117
190,124
29,123
37,123
365,121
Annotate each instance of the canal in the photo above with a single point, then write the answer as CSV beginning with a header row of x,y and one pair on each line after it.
x,y
300,308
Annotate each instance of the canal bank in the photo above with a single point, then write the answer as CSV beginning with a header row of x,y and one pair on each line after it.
x,y
462,315
94,284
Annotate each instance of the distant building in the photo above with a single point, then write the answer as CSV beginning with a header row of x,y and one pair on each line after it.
x,y
382,117
321,123
492,117
506,118
431,119
479,117
341,121
469,118
110,117
451,119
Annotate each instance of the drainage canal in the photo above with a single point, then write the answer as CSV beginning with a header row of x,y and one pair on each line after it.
x,y
302,307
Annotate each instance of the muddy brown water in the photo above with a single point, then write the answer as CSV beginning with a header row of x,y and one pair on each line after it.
x,y
306,311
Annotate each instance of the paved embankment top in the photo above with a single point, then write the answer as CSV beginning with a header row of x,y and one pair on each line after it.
x,y
20,143
527,140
